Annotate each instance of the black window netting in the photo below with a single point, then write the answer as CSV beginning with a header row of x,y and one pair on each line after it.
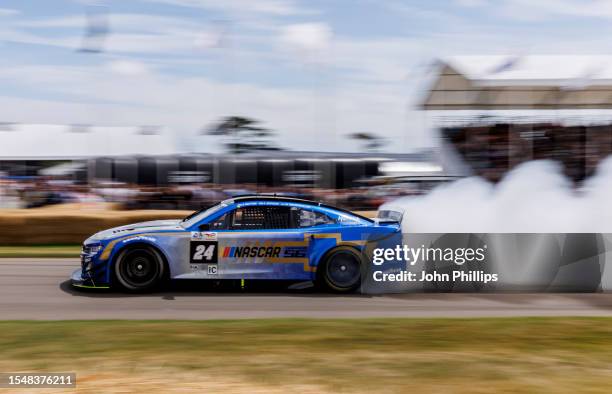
x,y
277,217
256,218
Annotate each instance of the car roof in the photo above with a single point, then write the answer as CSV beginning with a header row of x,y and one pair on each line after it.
x,y
274,197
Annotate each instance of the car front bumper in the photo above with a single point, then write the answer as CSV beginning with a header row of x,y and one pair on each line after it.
x,y
77,281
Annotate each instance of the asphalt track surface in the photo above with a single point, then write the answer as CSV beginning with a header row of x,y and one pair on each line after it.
x,y
38,289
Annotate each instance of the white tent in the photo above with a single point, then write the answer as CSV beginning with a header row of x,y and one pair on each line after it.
x,y
62,142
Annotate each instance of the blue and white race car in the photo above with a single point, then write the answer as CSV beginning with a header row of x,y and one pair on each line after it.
x,y
248,237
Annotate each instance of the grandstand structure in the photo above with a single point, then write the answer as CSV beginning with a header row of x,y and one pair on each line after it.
x,y
495,112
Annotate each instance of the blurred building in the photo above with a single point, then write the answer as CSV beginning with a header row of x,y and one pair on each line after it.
x,y
188,181
27,148
139,167
494,112
269,169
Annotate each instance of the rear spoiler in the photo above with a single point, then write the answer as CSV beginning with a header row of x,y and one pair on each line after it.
x,y
386,221
390,214
386,216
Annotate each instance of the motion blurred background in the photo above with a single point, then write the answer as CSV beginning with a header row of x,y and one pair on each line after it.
x,y
472,115
176,104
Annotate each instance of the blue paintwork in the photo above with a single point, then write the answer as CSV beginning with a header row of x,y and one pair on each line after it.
x,y
173,238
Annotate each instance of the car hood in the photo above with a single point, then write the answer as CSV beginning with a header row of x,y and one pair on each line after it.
x,y
137,228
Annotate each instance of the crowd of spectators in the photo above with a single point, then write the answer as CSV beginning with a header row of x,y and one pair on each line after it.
x,y
34,192
490,150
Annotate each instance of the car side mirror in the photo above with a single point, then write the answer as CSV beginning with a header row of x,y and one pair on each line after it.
x,y
204,227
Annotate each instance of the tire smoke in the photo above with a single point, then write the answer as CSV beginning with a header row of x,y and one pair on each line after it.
x,y
535,197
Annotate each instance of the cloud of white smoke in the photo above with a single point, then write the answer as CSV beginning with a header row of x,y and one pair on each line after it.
x,y
535,197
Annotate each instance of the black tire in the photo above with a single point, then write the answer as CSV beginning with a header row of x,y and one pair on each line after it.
x,y
340,270
139,269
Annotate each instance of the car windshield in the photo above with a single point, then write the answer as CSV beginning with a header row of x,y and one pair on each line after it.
x,y
198,215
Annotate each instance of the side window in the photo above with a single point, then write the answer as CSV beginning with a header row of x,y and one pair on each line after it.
x,y
308,218
220,223
261,218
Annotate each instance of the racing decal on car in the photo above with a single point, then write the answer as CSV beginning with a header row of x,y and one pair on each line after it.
x,y
251,251
294,252
203,236
139,238
203,252
266,251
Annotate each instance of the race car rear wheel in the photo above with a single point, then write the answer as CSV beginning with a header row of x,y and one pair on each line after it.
x,y
341,270
139,268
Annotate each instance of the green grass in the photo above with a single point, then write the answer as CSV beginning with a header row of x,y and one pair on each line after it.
x,y
363,355
40,251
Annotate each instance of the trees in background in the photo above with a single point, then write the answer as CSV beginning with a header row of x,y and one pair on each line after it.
x,y
243,135
371,142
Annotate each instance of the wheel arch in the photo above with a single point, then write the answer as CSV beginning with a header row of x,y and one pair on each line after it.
x,y
132,245
356,248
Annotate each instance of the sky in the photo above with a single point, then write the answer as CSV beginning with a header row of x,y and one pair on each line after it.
x,y
313,71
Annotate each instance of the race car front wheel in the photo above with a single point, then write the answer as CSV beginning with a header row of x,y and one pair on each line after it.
x,y
140,268
341,270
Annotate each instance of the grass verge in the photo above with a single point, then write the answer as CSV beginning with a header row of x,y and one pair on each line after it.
x,y
40,251
524,355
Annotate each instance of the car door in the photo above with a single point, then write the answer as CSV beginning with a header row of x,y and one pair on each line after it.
x,y
320,230
261,241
